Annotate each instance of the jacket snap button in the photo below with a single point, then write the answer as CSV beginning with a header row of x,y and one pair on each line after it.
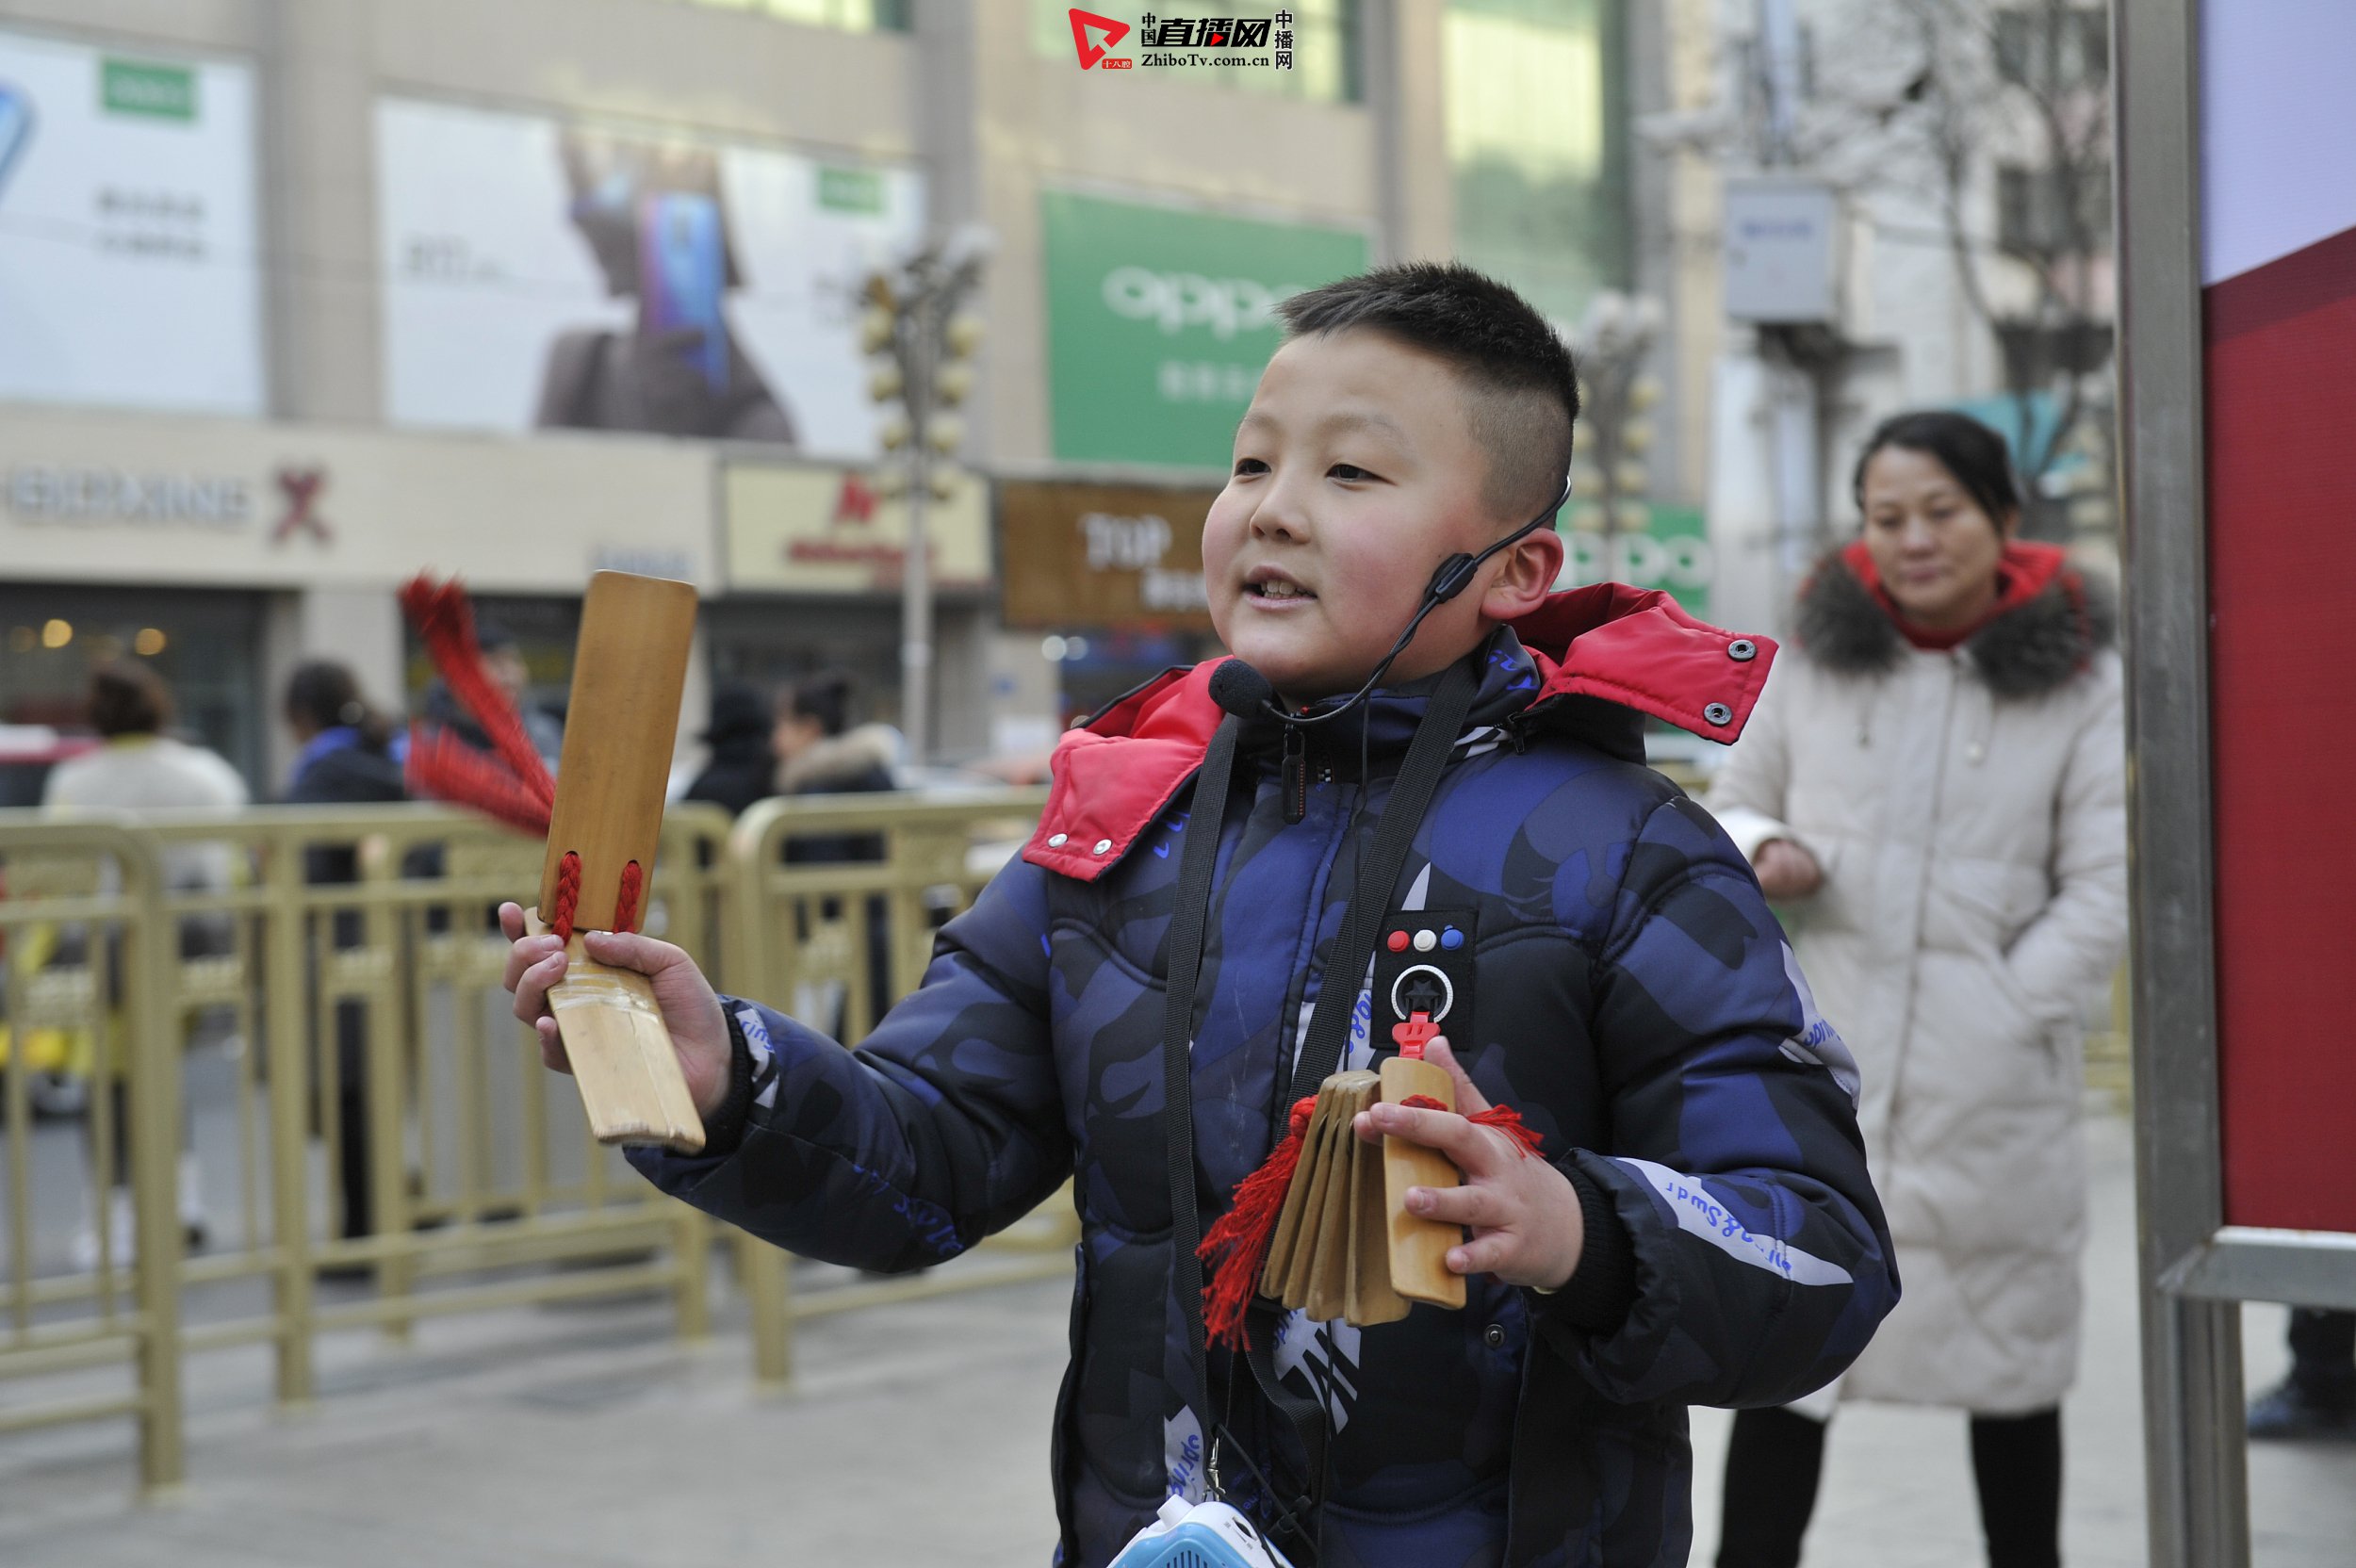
x,y
1057,842
1718,713
1741,650
1494,1334
1103,844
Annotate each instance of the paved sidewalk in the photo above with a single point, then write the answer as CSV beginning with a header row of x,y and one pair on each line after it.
x,y
918,1434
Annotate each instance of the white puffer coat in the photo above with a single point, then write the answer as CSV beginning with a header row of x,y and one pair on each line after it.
x,y
1968,812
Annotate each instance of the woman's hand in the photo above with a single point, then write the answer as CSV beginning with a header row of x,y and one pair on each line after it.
x,y
1526,1228
699,1033
1785,871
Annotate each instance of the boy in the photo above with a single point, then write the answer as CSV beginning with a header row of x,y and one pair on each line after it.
x,y
1700,1229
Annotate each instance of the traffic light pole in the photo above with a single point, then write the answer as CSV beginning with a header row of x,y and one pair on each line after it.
x,y
914,316
916,579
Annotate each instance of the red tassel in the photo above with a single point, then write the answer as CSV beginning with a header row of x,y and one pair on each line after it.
x,y
443,767
1505,1118
445,622
1235,1250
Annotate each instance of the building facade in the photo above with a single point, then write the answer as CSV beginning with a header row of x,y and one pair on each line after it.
x,y
297,297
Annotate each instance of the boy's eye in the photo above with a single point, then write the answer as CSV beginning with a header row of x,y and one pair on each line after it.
x,y
1349,472
1250,466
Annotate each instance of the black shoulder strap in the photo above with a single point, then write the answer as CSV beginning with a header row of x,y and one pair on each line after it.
x,y
1197,861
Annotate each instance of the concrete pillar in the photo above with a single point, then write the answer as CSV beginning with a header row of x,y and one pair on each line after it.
x,y
1406,101
318,170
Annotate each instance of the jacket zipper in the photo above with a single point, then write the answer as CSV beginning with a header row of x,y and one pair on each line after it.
x,y
1294,775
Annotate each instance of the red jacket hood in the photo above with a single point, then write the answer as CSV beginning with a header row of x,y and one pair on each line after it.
x,y
1627,646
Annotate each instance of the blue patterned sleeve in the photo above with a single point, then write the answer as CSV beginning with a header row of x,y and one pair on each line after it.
x,y
1762,1260
946,1125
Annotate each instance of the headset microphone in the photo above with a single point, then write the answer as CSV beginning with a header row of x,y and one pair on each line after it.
x,y
1240,689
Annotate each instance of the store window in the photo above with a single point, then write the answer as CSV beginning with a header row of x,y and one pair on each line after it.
x,y
1325,68
205,646
1536,122
851,16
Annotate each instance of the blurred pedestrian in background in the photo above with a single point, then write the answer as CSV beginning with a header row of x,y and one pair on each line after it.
x,y
142,768
743,766
1933,792
346,759
821,753
2319,1398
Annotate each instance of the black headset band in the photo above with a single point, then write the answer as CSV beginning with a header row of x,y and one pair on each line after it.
x,y
1455,574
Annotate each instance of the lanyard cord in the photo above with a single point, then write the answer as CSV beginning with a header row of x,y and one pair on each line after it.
x,y
1329,1025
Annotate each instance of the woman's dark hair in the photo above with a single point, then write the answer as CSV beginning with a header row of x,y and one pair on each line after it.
x,y
824,697
322,694
1974,454
128,700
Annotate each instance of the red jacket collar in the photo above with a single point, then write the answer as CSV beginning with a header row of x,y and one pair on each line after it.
x,y
1632,647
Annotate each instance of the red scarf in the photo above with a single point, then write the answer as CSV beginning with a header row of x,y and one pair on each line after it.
x,y
2023,572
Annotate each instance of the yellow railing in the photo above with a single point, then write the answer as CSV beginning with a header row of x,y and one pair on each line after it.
x,y
393,1148
391,1130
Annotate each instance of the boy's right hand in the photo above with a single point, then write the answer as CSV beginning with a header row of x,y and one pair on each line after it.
x,y
699,1031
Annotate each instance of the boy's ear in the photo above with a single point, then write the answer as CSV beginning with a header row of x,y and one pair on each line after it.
x,y
1526,575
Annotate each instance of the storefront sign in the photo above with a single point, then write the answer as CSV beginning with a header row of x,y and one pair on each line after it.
x,y
592,276
818,529
1103,555
1159,321
1670,551
110,499
128,230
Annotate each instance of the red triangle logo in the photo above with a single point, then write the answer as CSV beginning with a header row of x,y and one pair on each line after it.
x,y
1085,21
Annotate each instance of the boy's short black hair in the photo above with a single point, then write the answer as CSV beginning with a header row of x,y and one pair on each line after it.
x,y
1524,389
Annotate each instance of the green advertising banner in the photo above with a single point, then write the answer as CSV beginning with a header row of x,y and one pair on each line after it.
x,y
1159,322
1672,551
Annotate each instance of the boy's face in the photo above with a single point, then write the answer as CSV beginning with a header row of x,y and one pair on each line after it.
x,y
1356,474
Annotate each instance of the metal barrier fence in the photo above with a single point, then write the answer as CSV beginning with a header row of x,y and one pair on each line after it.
x,y
374,1118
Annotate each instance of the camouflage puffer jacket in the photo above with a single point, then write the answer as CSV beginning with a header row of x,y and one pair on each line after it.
x,y
1613,974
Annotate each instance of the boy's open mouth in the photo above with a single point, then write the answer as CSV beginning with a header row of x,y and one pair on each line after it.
x,y
1268,584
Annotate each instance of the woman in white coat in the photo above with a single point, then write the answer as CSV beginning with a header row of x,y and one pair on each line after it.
x,y
1932,790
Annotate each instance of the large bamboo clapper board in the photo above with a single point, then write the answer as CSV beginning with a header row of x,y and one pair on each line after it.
x,y
628,671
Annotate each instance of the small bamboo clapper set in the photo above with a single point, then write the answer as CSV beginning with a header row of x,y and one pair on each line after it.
x,y
629,667
1345,1245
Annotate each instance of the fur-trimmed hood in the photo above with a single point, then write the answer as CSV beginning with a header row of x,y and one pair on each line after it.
x,y
856,760
2025,650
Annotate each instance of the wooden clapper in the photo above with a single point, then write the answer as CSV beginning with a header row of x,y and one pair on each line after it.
x,y
1344,1245
629,669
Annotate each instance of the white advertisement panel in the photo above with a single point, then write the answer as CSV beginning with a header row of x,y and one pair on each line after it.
x,y
557,274
129,251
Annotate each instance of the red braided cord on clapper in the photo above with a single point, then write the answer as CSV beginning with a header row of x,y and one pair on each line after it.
x,y
626,906
567,902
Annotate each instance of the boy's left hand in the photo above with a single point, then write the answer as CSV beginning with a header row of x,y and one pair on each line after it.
x,y
1524,1218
